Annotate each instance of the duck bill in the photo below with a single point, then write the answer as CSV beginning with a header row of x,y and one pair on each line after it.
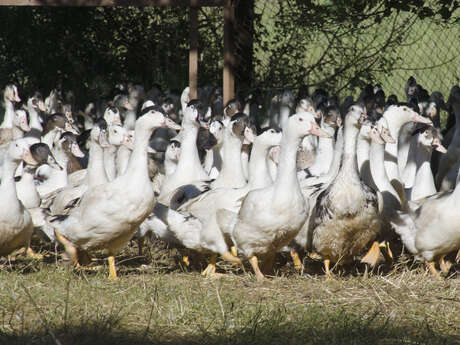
x,y
117,120
420,119
24,125
376,137
128,106
248,135
128,143
28,158
150,150
171,124
438,146
41,106
52,163
316,130
103,141
70,128
275,153
75,149
387,137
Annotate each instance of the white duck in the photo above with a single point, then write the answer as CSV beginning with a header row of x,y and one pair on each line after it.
x,y
16,223
109,214
346,216
189,168
271,217
397,116
10,96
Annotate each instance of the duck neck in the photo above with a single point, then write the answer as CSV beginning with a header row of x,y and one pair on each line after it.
x,y
232,166
138,163
123,155
404,142
189,161
259,173
324,152
109,162
8,185
424,182
170,166
286,178
362,151
95,172
34,121
349,164
9,115
285,111
380,177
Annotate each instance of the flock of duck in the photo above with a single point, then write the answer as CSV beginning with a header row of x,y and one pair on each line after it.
x,y
339,181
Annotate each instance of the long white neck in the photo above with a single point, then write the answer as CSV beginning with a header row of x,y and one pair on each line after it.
x,y
424,182
8,186
391,198
95,173
137,169
259,173
9,115
363,152
213,159
189,162
170,166
123,155
109,162
26,190
285,111
130,120
349,164
245,160
395,123
34,121
410,170
404,143
286,179
231,175
324,153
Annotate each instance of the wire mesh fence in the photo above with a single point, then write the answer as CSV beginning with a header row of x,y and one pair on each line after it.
x,y
294,46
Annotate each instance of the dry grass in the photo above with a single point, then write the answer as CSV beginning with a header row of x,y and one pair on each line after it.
x,y
158,302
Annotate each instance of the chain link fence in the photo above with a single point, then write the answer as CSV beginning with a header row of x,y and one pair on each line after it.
x,y
292,48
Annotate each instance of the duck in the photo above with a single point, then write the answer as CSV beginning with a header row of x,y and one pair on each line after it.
x,y
427,140
195,225
35,104
214,157
109,214
346,217
16,222
10,97
65,198
25,182
117,136
235,133
189,168
270,217
50,179
397,116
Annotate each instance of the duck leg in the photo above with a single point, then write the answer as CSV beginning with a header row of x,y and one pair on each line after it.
x,y
255,266
186,260
234,250
140,245
372,256
112,269
457,258
31,254
327,264
211,268
296,260
70,249
433,270
387,253
445,266
231,258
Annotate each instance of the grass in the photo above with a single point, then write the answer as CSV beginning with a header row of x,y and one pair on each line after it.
x,y
156,301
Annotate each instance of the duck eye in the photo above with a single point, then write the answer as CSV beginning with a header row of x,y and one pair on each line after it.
x,y
405,108
300,119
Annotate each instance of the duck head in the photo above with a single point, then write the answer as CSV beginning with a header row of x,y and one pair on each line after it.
x,y
172,152
19,150
303,124
42,155
112,116
11,94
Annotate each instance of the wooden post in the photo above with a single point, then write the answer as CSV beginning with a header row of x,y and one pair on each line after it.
x,y
193,53
229,58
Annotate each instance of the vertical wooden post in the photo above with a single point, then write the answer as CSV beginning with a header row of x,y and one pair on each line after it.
x,y
193,53
229,57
